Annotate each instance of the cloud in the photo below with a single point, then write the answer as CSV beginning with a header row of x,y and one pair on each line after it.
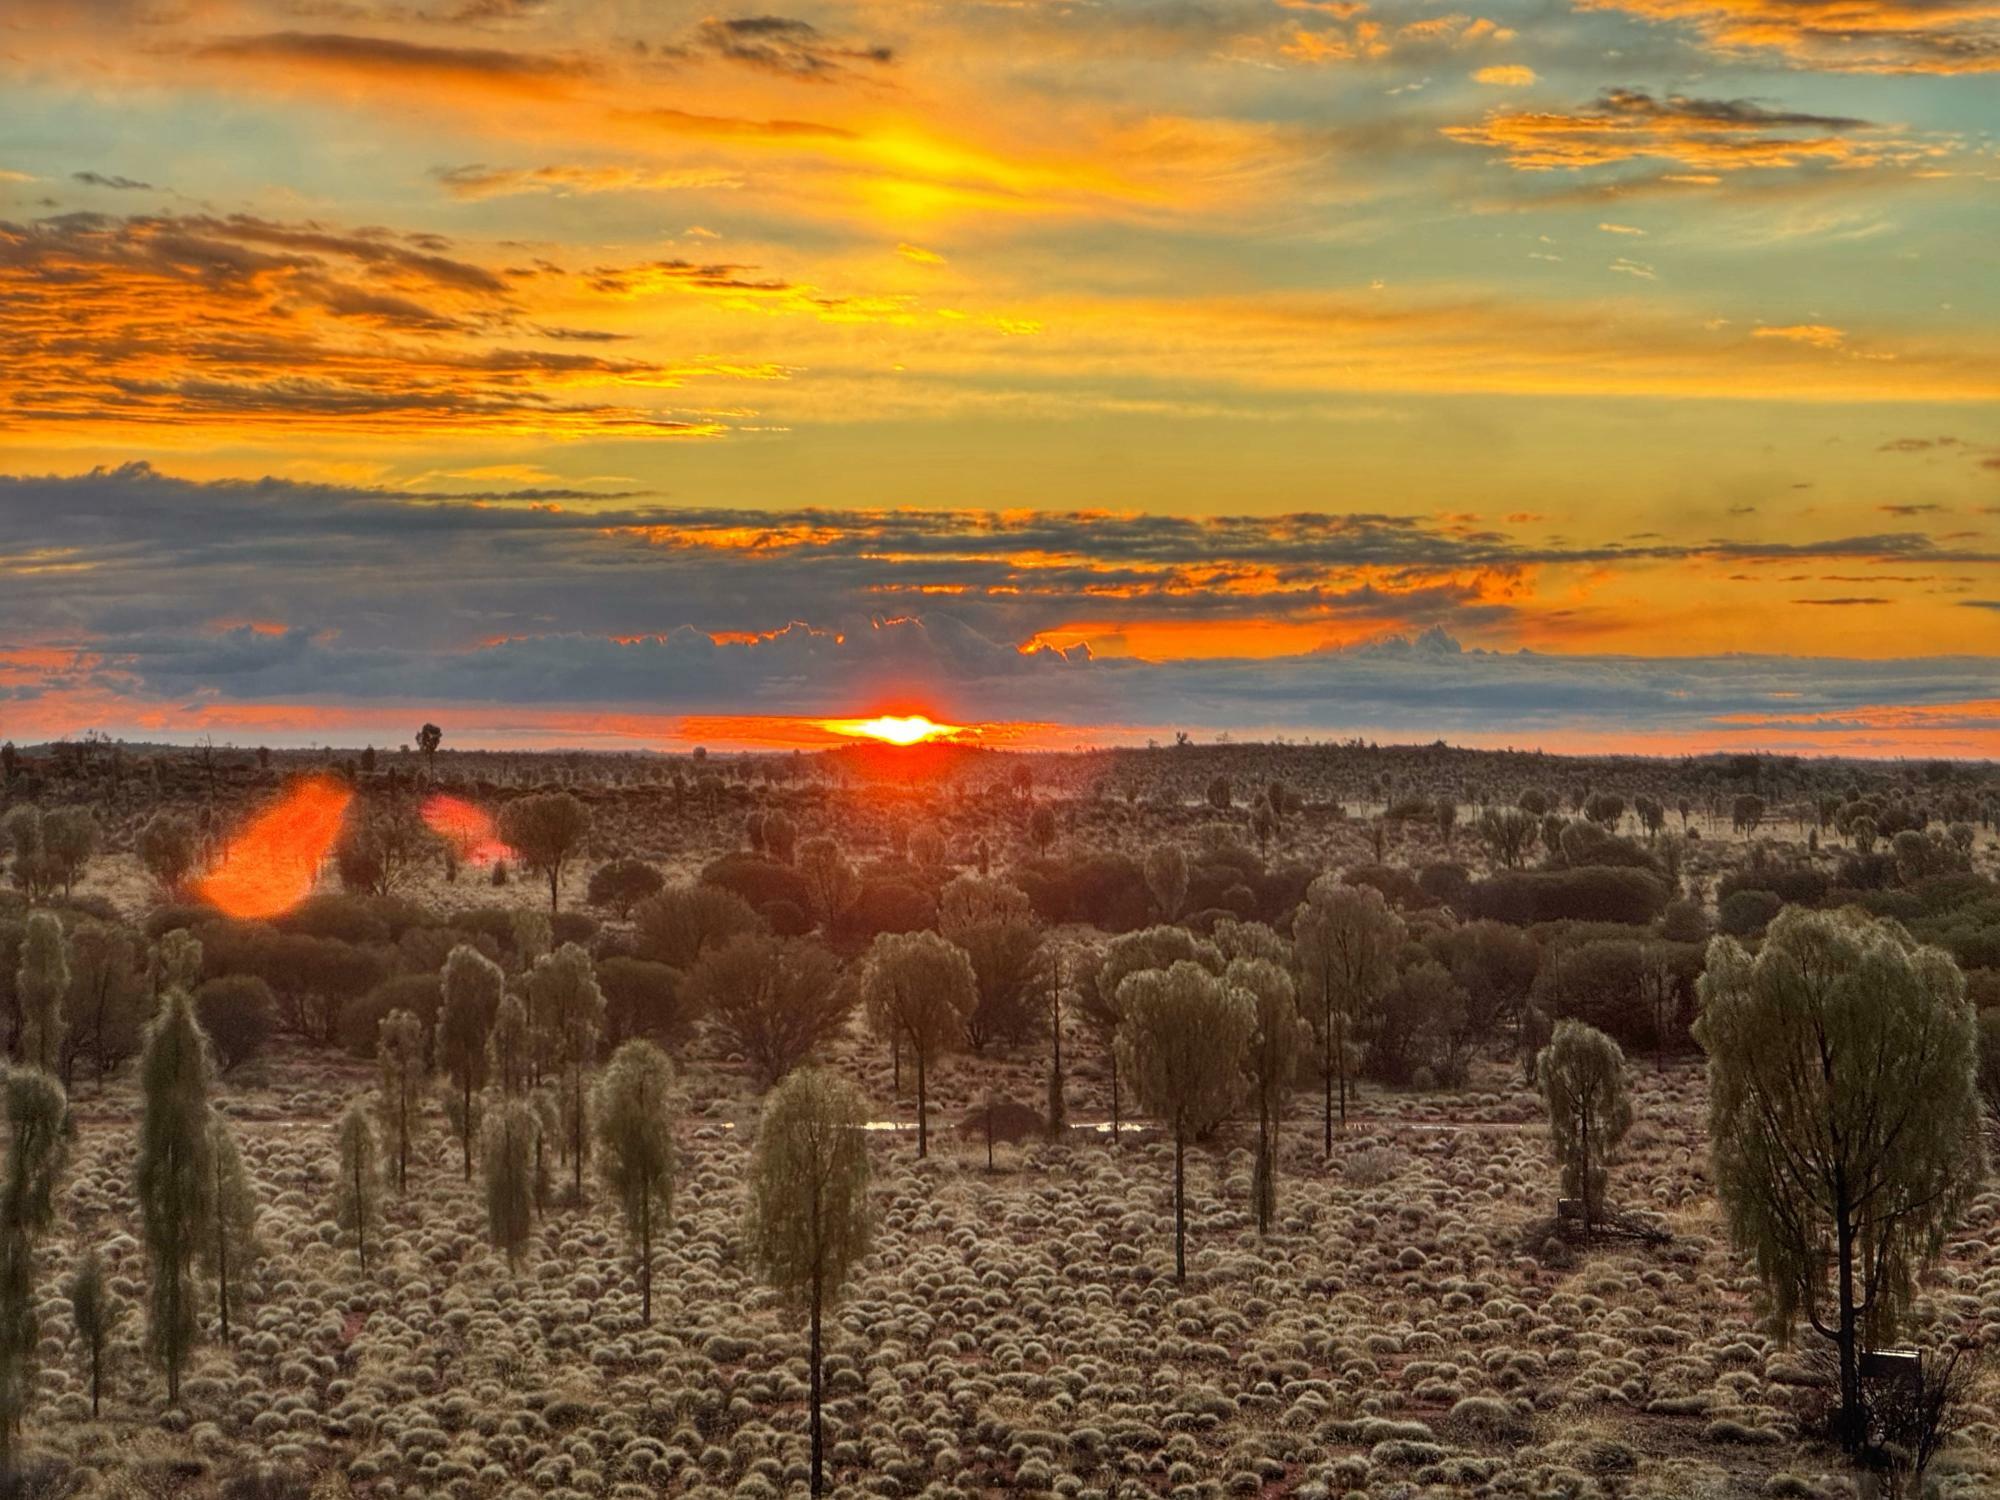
x,y
1863,36
111,180
393,60
175,320
1818,335
1505,75
478,181
785,46
1722,135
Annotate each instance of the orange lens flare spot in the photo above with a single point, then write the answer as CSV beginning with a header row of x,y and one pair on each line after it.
x,y
272,863
895,729
468,829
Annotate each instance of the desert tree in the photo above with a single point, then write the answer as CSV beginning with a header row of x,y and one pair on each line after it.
x,y
428,739
507,1047
41,982
622,884
512,1138
107,1003
994,922
1185,1043
778,1001
1058,969
1042,827
831,881
1346,940
1281,1036
1582,1077
1129,953
807,1224
37,1150
176,962
399,1082
1508,834
357,1196
920,988
97,1312
169,848
635,1148
546,831
1843,1119
471,987
1166,872
565,998
780,836
681,922
175,1179
231,1243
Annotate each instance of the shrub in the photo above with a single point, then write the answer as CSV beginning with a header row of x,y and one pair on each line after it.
x,y
1592,893
362,1015
239,1013
1747,913
642,999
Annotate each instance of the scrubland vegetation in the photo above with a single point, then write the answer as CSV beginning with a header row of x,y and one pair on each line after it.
x,y
1198,1121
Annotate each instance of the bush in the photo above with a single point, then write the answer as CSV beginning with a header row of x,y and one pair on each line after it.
x,y
1747,913
239,1013
1591,893
759,881
361,1016
623,884
641,998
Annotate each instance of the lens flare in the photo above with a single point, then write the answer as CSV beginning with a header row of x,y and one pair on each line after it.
x,y
895,729
272,863
468,829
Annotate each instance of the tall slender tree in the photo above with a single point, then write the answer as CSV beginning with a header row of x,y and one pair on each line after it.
x,y
97,1312
175,1179
357,1199
919,987
808,1210
472,986
37,1151
40,983
1582,1076
1185,1043
1280,1037
399,1058
509,1169
635,1148
507,1047
232,1240
1843,1120
1150,948
1346,940
564,992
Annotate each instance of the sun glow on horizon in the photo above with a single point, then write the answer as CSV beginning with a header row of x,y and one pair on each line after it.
x,y
896,729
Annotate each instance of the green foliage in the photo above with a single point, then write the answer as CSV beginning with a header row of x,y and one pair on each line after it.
x,y
635,1148
547,831
1346,940
919,989
778,1001
1280,1039
238,1014
513,1134
684,921
399,1058
40,985
37,1151
175,1176
1843,1118
472,986
232,1243
97,1311
622,884
1582,1078
568,1008
357,1190
1184,1045
807,1223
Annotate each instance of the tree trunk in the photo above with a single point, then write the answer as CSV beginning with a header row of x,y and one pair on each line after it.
x,y
896,1065
923,1125
96,1374
1340,1067
1851,1421
1180,1204
555,876
1114,1094
465,1123
646,1259
818,1439
1262,1187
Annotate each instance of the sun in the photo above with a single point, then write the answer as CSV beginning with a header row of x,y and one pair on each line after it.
x,y
895,729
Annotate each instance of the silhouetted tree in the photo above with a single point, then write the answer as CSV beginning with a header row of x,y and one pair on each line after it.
x,y
919,987
546,831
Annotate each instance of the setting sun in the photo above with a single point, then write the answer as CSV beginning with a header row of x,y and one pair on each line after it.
x,y
895,729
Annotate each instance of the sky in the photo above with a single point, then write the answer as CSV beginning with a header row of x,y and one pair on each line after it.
x,y
1574,374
